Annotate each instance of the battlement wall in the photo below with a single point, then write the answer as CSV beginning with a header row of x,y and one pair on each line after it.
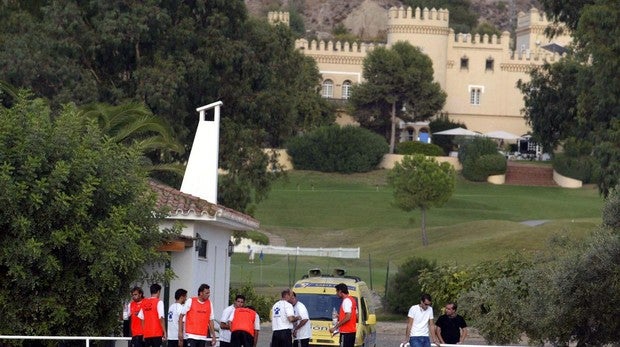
x,y
418,16
275,17
336,48
464,40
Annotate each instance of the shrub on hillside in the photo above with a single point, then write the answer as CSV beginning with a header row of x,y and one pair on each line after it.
x,y
415,147
345,149
611,209
404,289
480,159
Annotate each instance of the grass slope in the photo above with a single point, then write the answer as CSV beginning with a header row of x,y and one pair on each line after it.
x,y
480,222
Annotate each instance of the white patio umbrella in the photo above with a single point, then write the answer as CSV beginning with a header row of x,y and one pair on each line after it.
x,y
458,132
502,135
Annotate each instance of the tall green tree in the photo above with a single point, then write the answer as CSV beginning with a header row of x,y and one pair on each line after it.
x,y
76,226
172,56
398,82
593,112
421,183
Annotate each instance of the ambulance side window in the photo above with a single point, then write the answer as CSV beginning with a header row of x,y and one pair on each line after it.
x,y
364,310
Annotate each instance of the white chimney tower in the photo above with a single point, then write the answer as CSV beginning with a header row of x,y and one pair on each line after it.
x,y
200,177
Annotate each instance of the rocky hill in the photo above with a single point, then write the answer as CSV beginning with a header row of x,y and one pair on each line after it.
x,y
367,18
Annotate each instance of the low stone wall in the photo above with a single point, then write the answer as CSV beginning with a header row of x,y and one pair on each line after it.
x,y
566,182
497,179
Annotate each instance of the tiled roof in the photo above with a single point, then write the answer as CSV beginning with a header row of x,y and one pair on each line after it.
x,y
179,203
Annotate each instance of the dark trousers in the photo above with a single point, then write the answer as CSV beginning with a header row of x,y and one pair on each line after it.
x,y
153,341
347,339
137,341
224,344
282,338
196,343
301,343
241,338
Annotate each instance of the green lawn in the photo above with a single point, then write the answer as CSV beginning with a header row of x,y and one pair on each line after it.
x,y
480,222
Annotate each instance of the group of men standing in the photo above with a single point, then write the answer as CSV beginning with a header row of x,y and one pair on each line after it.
x,y
449,329
290,322
190,320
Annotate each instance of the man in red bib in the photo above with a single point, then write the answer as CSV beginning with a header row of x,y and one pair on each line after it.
x,y
347,317
245,326
135,324
152,315
198,319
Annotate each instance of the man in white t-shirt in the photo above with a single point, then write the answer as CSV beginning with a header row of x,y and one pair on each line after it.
x,y
282,319
174,311
420,325
225,333
302,329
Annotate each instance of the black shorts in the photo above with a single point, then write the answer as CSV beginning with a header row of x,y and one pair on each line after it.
x,y
282,338
347,339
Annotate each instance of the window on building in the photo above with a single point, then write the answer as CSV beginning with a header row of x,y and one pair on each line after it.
x,y
474,95
346,89
488,66
201,248
410,134
328,89
464,63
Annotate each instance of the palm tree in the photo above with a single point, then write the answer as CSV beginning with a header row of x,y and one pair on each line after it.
x,y
135,125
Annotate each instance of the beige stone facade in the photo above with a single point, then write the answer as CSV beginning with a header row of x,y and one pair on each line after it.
x,y
479,74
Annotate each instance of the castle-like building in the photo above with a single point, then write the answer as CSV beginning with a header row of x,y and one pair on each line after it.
x,y
478,73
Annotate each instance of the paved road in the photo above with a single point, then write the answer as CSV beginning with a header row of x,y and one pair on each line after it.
x,y
389,334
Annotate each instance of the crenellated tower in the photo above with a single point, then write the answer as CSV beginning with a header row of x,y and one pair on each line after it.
x,y
427,29
531,36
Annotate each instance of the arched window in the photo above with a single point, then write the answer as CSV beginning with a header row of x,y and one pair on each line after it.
x,y
346,89
410,134
328,89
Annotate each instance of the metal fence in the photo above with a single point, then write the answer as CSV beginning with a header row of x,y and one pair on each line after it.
x,y
87,339
348,253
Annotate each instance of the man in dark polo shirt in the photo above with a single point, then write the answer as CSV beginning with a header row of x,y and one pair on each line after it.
x,y
451,327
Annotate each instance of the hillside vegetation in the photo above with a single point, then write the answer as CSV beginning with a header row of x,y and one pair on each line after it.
x,y
480,222
312,209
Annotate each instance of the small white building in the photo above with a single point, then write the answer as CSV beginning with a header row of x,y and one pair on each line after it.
x,y
202,252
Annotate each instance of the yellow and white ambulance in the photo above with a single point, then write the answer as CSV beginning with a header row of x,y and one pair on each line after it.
x,y
316,291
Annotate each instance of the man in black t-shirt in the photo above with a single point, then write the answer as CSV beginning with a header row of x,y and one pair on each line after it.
x,y
451,327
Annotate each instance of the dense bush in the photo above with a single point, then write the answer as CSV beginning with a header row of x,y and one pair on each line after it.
x,y
577,161
337,149
582,168
441,123
416,147
611,209
492,164
480,159
404,288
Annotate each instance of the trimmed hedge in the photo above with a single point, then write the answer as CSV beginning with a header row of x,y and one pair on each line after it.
x,y
345,149
416,147
480,159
